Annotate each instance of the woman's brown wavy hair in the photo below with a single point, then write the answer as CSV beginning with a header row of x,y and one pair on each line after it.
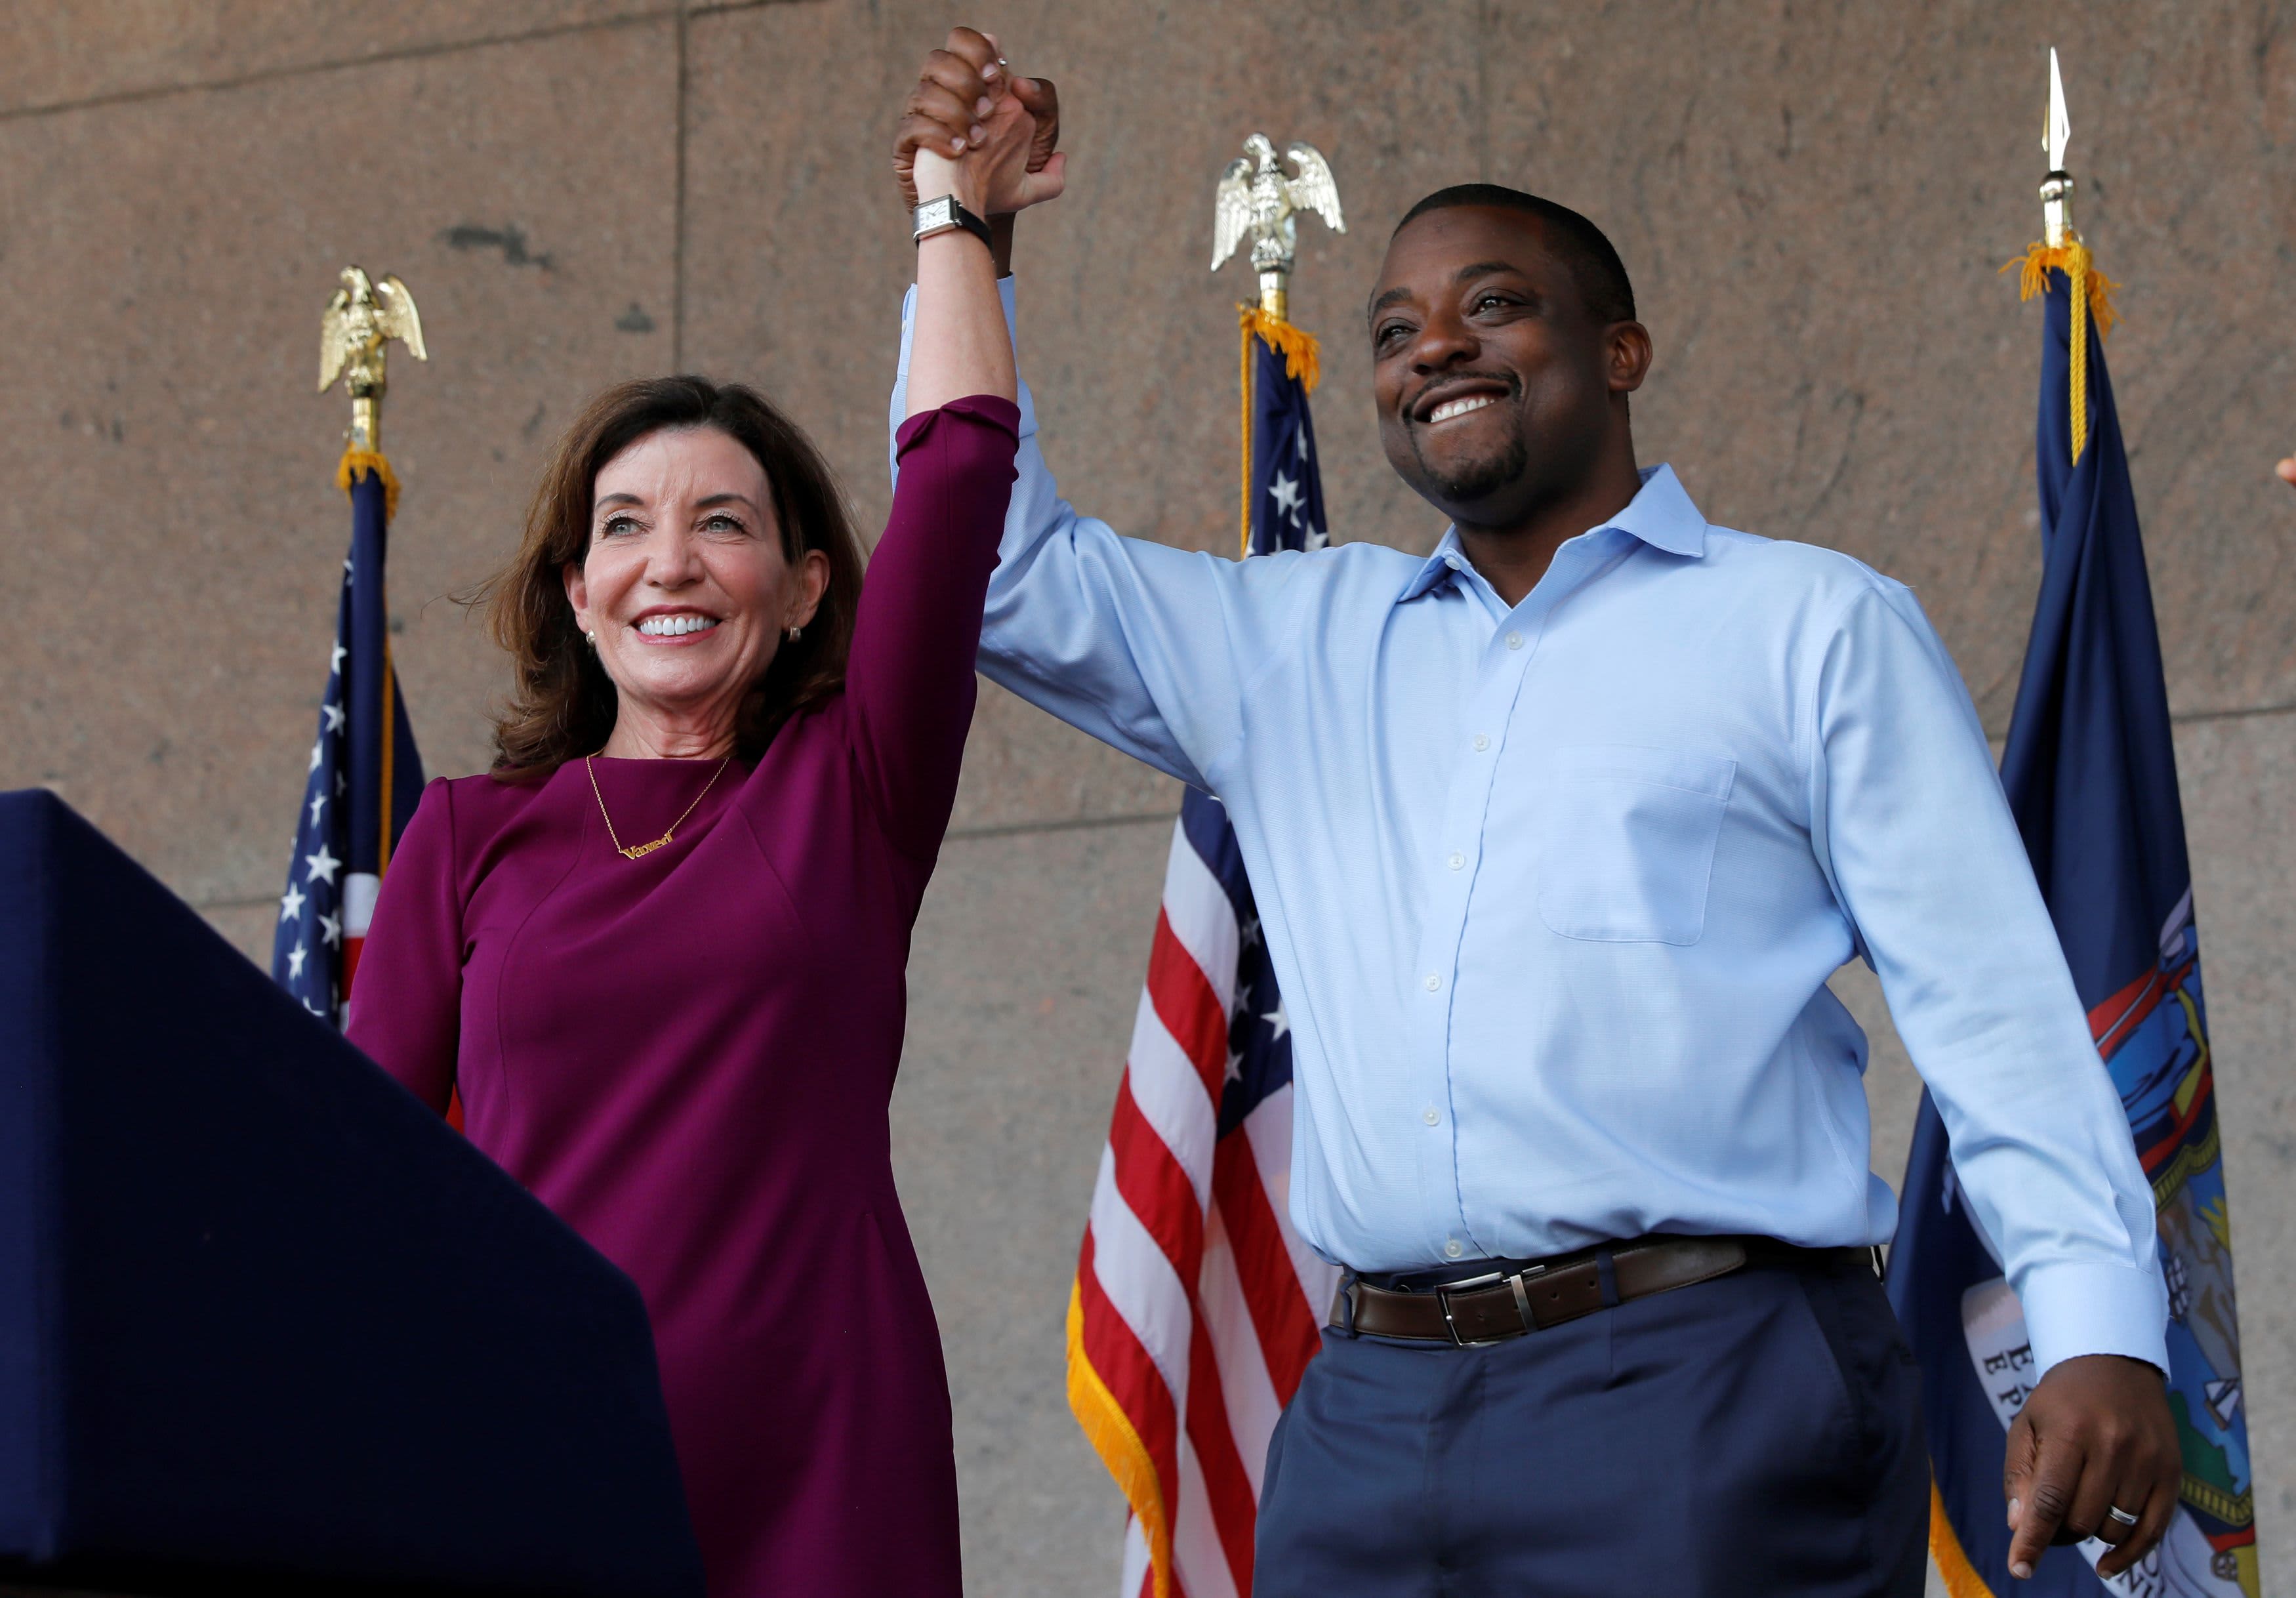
x,y
561,703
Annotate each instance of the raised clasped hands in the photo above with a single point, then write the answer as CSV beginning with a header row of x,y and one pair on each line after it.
x,y
973,129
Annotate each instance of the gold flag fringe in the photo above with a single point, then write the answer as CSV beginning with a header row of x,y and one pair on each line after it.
x,y
2092,296
1302,362
1302,355
1111,1432
356,461
1952,1566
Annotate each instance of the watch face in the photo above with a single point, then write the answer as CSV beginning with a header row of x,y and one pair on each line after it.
x,y
932,213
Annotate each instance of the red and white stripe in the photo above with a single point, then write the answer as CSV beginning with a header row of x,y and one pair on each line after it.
x,y
1196,1306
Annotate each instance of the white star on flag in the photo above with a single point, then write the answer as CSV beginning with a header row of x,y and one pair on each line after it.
x,y
335,660
330,930
318,803
322,864
291,904
318,753
1250,930
1317,538
1234,1072
1287,496
334,714
1276,1019
295,958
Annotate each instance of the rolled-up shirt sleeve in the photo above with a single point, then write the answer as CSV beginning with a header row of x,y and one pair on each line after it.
x,y
1911,825
1145,647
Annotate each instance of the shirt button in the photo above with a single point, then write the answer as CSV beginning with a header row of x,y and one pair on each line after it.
x,y
1482,741
1453,1249
1515,640
1432,1116
1458,861
1452,562
1434,982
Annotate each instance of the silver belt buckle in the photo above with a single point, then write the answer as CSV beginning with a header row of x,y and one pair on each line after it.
x,y
1522,1295
1443,1302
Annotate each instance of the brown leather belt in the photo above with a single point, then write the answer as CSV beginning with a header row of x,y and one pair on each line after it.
x,y
1506,1304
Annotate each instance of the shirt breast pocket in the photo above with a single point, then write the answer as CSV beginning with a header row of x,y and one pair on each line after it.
x,y
1627,837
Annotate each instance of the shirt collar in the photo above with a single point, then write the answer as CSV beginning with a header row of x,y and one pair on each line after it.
x,y
1660,514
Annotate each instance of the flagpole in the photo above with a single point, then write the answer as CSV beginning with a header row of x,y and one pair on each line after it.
x,y
355,335
2062,247
1256,201
353,807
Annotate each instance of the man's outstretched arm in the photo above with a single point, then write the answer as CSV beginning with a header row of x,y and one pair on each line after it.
x,y
1137,643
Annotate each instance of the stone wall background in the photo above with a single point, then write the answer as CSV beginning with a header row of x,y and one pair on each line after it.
x,y
1813,201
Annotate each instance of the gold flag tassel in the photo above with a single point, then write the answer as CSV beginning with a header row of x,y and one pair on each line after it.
x,y
1302,362
357,461
2092,296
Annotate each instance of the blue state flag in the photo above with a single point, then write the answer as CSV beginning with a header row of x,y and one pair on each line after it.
x,y
2091,777
364,776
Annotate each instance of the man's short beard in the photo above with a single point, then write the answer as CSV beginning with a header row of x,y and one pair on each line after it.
x,y
1477,480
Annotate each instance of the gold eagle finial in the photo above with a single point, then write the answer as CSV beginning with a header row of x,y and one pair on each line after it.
x,y
1256,198
361,318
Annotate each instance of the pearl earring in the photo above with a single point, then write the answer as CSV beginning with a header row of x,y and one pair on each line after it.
x,y
795,634
591,639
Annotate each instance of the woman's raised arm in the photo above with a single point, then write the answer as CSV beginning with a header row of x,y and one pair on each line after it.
x,y
909,683
961,346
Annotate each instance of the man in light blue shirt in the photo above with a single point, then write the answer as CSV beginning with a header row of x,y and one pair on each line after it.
x,y
1557,834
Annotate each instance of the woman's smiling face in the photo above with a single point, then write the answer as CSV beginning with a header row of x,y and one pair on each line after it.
x,y
686,588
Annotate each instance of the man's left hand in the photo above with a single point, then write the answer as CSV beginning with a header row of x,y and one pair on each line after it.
x,y
2095,1436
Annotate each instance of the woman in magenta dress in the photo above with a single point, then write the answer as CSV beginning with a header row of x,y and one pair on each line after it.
x,y
660,949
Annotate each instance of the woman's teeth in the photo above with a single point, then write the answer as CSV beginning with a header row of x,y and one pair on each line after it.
x,y
672,626
1460,408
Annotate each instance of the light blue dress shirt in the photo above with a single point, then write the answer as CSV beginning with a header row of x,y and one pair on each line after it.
x,y
1553,891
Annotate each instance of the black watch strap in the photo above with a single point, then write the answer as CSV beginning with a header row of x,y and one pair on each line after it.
x,y
941,215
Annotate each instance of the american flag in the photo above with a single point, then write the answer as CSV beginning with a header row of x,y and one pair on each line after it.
x,y
362,784
1196,1306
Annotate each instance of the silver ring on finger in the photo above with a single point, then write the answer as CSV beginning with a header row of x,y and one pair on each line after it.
x,y
2120,1515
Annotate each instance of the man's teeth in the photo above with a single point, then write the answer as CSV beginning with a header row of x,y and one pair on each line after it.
x,y
1460,408
672,626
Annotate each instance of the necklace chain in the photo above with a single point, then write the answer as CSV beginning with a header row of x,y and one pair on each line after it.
x,y
636,850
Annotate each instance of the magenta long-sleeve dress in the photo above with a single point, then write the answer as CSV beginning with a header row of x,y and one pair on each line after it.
x,y
689,1056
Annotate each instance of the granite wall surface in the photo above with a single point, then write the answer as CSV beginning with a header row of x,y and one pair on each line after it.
x,y
1813,201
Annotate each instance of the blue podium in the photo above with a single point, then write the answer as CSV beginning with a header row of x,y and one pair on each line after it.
x,y
267,1325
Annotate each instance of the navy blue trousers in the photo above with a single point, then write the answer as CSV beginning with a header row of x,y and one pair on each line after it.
x,y
1759,1434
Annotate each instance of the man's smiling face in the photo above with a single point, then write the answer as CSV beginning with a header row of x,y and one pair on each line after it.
x,y
1491,373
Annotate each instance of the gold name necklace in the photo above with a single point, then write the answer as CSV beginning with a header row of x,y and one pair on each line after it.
x,y
636,850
